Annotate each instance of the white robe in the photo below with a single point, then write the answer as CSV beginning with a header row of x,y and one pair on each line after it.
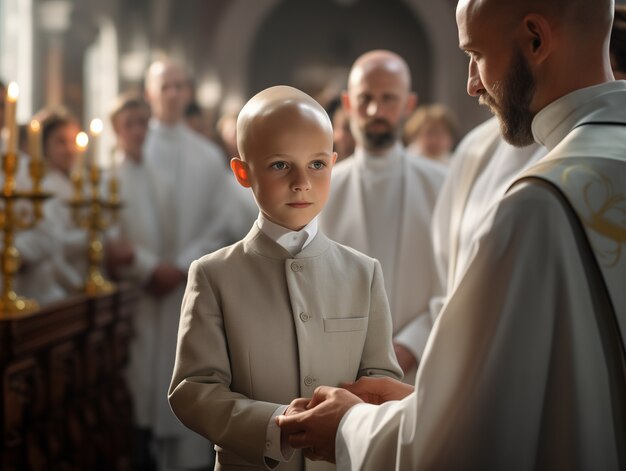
x,y
482,169
382,206
193,209
70,265
514,375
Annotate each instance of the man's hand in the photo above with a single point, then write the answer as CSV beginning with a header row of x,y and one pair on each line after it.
x,y
406,359
164,279
315,429
118,253
379,390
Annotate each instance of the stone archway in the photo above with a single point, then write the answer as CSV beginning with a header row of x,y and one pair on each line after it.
x,y
241,22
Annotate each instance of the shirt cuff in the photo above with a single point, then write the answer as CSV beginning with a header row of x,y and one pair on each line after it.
x,y
273,448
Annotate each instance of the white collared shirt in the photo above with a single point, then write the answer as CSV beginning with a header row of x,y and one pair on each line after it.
x,y
292,241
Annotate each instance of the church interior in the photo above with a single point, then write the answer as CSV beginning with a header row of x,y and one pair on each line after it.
x,y
95,250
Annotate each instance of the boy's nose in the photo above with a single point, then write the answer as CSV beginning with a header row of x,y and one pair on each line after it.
x,y
300,181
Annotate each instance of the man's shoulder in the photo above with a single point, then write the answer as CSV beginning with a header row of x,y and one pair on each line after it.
x,y
425,166
204,149
342,169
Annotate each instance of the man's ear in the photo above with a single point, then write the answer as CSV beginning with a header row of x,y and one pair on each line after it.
x,y
345,101
240,169
536,41
411,103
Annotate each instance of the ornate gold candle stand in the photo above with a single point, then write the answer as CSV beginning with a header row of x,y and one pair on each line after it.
x,y
95,214
13,220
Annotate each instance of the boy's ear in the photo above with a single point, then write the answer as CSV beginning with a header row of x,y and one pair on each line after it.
x,y
240,169
334,158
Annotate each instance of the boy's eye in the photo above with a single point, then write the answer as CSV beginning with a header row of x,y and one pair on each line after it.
x,y
279,166
318,165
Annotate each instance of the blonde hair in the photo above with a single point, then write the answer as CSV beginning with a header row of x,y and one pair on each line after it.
x,y
427,114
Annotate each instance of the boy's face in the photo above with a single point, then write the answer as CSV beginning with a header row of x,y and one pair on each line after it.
x,y
289,171
131,126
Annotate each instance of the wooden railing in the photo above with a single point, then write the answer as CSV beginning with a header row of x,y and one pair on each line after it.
x,y
65,404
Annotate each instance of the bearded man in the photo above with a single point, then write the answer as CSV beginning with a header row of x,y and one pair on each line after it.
x,y
382,198
525,367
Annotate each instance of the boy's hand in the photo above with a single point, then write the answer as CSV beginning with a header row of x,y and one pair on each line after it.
x,y
296,406
379,390
315,429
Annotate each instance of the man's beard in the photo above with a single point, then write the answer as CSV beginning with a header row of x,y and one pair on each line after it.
x,y
377,140
511,102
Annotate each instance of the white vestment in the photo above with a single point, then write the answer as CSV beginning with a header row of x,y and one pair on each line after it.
x,y
382,206
483,167
71,263
181,205
515,374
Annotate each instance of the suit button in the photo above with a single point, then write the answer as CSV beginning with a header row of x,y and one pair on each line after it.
x,y
308,381
295,266
304,317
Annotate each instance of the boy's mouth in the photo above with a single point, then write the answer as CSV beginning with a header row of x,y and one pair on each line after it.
x,y
300,204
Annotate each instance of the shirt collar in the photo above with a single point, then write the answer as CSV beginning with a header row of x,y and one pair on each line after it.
x,y
292,241
557,120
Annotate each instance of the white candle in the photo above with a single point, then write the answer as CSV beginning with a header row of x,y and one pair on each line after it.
x,y
34,140
95,129
82,141
13,92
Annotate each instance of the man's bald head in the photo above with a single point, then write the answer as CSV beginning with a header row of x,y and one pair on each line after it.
x,y
593,18
272,112
378,60
165,90
378,100
525,54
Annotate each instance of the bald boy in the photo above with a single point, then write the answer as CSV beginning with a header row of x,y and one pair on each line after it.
x,y
283,311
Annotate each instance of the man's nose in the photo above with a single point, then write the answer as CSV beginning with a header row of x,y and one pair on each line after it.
x,y
372,108
475,86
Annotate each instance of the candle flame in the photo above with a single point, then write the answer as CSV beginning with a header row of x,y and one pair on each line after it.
x,y
96,126
82,140
13,92
35,126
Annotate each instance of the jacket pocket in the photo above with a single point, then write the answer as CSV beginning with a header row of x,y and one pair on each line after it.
x,y
345,324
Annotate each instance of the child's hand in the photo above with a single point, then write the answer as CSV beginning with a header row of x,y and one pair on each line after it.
x,y
379,390
296,406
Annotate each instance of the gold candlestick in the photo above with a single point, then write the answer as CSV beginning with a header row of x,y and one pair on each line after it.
x,y
10,220
89,213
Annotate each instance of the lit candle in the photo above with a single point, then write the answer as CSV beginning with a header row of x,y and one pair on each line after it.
x,y
9,122
82,141
95,129
34,140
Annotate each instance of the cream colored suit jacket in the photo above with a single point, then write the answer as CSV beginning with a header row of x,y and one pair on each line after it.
x,y
260,327
344,220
